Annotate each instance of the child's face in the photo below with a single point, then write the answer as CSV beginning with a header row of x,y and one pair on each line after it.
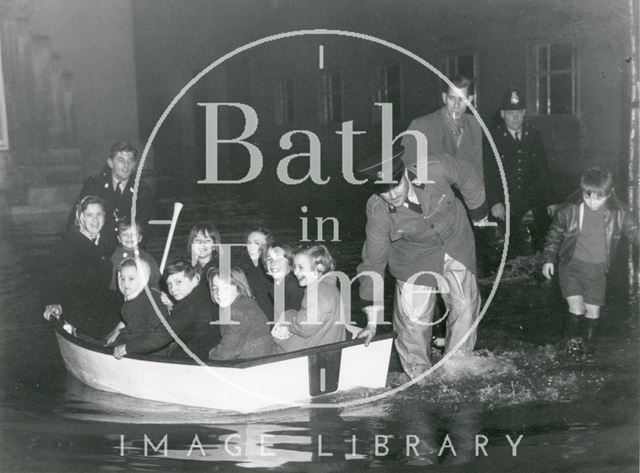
x,y
255,242
180,286
277,263
304,270
223,293
593,201
92,219
202,246
129,280
129,237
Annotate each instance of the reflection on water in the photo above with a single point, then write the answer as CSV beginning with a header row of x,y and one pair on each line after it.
x,y
572,415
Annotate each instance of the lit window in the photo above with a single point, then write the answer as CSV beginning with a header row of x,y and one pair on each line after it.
x,y
555,79
285,103
331,98
462,64
388,87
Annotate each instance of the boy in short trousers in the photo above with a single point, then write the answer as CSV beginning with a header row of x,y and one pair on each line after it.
x,y
583,237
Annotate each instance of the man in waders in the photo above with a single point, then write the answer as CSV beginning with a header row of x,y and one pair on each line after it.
x,y
422,232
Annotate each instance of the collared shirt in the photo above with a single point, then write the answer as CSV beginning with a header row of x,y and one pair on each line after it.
x,y
118,185
517,137
456,129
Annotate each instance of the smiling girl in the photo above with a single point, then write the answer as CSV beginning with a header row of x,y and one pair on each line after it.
x,y
319,320
204,239
248,335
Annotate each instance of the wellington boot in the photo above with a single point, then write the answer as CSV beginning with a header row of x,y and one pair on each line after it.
x,y
574,344
590,330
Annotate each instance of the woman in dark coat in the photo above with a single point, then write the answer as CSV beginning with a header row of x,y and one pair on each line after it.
x,y
80,269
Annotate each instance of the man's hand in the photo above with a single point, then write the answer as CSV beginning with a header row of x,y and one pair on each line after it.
x,y
367,333
52,311
374,312
498,211
551,209
119,351
547,270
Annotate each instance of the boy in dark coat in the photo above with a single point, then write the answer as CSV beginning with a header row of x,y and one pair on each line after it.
x,y
583,237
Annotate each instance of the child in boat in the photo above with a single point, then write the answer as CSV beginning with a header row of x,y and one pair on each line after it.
x,y
284,292
190,318
319,320
129,236
584,235
250,261
139,316
204,239
248,335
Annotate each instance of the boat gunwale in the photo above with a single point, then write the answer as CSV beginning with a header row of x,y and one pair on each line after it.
x,y
240,363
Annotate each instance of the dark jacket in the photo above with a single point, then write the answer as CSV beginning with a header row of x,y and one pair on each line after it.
x,y
411,242
250,337
77,277
189,319
260,283
140,316
563,234
117,206
525,168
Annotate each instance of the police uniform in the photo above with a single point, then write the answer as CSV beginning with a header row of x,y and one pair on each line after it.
x,y
117,203
525,167
426,243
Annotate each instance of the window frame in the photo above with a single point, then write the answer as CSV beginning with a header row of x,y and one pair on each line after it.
x,y
540,78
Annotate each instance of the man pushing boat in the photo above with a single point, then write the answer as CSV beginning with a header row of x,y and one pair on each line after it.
x,y
421,231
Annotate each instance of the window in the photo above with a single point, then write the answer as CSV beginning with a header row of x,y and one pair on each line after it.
x,y
285,103
388,89
331,98
463,64
4,135
555,79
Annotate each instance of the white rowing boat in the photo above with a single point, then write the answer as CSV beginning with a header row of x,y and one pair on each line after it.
x,y
285,380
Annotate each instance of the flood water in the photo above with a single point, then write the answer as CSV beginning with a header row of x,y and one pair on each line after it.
x,y
573,416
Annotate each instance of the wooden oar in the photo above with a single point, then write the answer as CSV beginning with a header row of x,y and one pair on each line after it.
x,y
177,207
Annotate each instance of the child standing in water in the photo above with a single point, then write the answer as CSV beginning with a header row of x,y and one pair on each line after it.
x,y
583,236
319,320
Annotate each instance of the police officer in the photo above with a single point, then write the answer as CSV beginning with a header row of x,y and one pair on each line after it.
x,y
525,165
115,186
421,231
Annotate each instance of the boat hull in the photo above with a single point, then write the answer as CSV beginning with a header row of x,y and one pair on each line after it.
x,y
279,381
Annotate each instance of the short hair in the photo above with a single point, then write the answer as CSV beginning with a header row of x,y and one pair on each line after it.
x,y
597,181
286,248
123,147
320,257
461,82
126,224
207,229
236,278
181,265
85,202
